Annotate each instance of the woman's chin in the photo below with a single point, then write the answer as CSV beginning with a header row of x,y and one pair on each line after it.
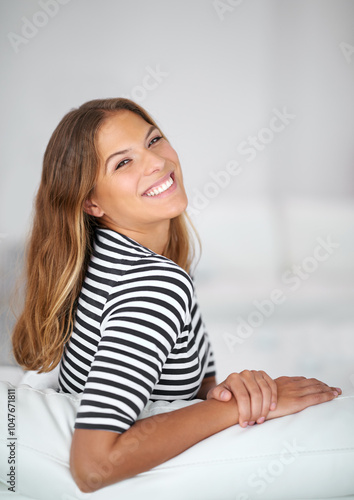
x,y
180,207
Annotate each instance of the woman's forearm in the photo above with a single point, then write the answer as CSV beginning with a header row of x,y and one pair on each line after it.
x,y
100,458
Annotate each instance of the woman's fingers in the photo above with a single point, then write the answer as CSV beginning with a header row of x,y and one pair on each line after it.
x,y
312,385
220,393
254,391
242,397
308,381
297,393
314,388
274,390
316,398
266,394
338,390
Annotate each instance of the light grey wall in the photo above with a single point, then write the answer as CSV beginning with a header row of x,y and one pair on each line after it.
x,y
216,75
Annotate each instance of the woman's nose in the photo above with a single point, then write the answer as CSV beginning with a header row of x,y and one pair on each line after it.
x,y
152,162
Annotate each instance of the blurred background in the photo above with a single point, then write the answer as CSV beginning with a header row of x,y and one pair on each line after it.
x,y
257,97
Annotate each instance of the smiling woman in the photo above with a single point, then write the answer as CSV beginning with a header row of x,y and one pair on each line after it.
x,y
109,297
139,189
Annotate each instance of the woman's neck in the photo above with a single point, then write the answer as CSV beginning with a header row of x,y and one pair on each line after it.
x,y
155,237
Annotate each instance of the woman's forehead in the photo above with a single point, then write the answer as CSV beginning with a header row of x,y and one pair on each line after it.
x,y
120,126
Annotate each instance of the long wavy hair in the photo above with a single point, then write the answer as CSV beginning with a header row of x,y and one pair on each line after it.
x,y
61,240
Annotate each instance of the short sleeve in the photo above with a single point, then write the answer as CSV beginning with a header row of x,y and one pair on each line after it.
x,y
141,323
211,369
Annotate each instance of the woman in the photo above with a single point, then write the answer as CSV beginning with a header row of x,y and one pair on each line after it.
x,y
109,295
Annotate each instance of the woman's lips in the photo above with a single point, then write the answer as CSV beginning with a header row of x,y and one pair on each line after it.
x,y
161,186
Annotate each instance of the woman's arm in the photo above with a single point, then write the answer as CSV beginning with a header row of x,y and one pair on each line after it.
x,y
99,458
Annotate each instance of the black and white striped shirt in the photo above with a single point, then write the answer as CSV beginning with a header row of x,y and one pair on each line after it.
x,y
138,335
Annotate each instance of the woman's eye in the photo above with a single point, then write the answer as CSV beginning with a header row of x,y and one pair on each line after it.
x,y
122,163
155,139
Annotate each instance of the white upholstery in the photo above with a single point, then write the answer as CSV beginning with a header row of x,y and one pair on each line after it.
x,y
309,455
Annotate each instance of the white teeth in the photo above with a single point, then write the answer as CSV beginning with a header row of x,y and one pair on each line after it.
x,y
161,189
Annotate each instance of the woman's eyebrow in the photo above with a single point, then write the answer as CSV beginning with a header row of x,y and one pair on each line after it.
x,y
126,150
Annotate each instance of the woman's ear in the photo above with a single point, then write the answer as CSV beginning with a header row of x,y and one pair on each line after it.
x,y
91,208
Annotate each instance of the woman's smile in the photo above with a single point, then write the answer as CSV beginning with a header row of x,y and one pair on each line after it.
x,y
163,187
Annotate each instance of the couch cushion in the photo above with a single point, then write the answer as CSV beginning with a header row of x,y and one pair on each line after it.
x,y
309,455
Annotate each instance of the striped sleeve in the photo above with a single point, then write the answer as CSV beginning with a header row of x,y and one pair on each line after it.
x,y
211,371
141,323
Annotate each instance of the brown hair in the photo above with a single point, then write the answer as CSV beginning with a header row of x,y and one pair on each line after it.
x,y
60,244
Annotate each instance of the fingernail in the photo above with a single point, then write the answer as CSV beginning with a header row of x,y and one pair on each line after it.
x,y
338,389
244,424
260,420
273,406
252,423
335,393
223,394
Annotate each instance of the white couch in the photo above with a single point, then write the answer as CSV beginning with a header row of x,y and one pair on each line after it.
x,y
309,455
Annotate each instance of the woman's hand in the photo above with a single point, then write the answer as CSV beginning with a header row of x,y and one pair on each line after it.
x,y
297,393
254,391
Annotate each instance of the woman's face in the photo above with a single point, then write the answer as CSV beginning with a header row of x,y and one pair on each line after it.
x,y
140,185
